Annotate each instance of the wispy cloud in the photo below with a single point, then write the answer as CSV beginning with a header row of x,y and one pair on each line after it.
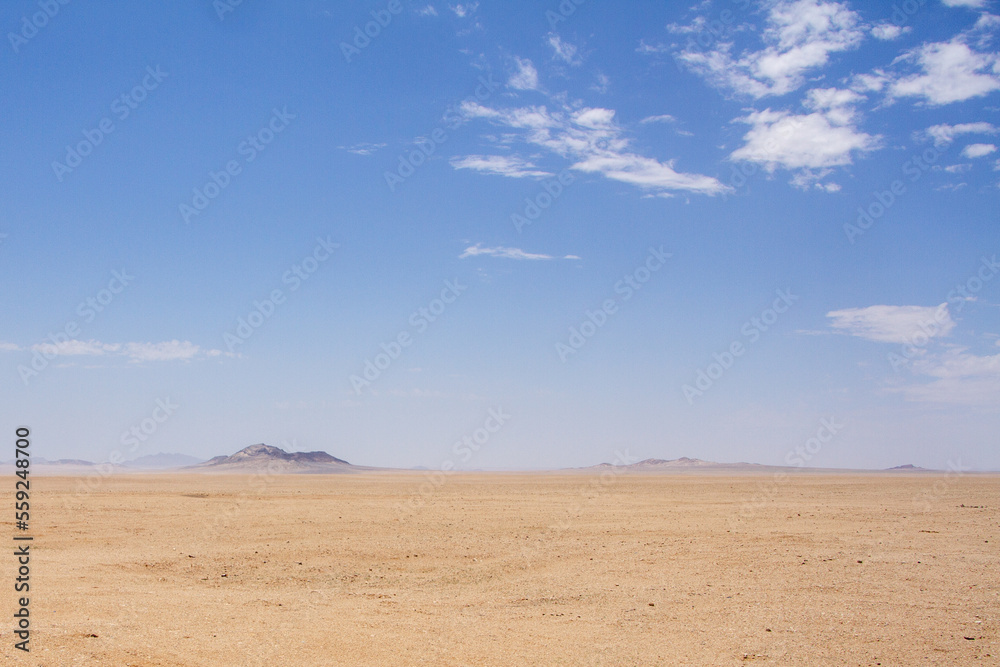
x,y
173,350
525,76
957,376
594,142
510,166
945,133
662,118
892,324
506,253
564,51
800,36
973,4
363,148
77,347
601,83
938,372
463,10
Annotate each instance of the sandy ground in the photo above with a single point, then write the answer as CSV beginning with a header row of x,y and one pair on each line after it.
x,y
511,570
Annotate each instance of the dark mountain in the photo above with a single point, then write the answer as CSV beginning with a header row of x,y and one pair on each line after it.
x,y
275,459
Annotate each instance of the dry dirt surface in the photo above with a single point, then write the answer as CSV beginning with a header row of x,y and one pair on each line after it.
x,y
504,569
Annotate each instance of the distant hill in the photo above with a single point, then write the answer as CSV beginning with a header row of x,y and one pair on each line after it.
x,y
162,461
910,467
683,464
63,462
262,457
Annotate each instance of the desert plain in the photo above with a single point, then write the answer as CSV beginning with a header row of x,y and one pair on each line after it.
x,y
511,569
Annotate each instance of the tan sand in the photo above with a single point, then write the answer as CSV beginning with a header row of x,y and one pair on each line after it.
x,y
511,570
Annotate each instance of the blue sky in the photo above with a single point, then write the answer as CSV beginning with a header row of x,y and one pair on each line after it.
x,y
655,228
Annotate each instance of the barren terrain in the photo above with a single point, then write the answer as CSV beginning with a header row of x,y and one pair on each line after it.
x,y
511,569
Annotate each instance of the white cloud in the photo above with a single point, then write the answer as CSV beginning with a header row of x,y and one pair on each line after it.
x,y
9,347
664,118
601,84
892,324
826,138
986,22
647,49
363,148
957,363
942,373
800,36
526,76
591,139
945,134
866,83
963,3
958,168
564,50
950,72
427,11
958,377
513,167
696,26
77,347
647,173
978,150
888,31
461,11
135,352
505,253
166,351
